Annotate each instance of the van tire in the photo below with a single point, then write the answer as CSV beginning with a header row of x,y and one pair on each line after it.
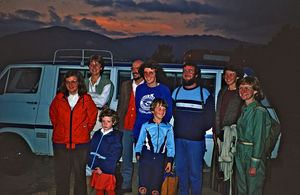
x,y
16,157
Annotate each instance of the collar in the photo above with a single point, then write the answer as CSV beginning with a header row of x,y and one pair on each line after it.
x,y
90,79
152,121
190,88
107,132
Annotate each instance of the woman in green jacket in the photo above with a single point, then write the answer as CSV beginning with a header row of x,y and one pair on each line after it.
x,y
252,129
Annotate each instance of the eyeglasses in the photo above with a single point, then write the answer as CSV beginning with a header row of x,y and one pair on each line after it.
x,y
71,82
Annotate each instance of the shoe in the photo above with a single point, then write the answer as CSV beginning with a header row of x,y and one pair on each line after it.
x,y
127,190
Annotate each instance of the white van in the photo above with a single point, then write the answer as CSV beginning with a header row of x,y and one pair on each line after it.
x,y
27,90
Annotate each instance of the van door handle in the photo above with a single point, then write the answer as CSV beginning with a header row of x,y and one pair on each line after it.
x,y
31,102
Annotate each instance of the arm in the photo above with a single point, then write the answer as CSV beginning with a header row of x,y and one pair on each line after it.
x,y
209,108
53,112
170,145
101,99
92,112
140,142
259,136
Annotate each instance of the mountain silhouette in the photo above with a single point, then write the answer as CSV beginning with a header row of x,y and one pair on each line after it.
x,y
40,44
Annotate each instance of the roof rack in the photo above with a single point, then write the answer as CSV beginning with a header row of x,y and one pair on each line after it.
x,y
80,54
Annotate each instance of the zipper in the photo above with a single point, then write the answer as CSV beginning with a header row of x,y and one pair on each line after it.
x,y
157,138
97,151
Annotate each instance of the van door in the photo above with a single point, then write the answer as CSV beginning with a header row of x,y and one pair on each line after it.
x,y
19,96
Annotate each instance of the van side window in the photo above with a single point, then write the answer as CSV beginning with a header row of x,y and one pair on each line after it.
x,y
208,80
3,83
23,80
85,72
123,75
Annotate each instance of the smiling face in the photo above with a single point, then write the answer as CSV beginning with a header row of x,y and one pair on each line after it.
x,y
230,78
159,113
135,69
95,67
150,77
247,93
189,76
72,84
107,123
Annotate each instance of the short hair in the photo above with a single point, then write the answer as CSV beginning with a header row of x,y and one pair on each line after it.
x,y
98,59
109,113
197,69
158,101
149,64
80,80
254,82
235,68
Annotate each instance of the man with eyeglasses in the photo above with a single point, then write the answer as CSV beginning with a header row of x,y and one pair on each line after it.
x,y
194,113
101,89
127,113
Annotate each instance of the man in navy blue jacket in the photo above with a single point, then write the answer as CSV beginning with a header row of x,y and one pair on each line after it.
x,y
194,113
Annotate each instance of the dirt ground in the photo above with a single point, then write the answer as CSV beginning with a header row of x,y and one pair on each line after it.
x,y
282,178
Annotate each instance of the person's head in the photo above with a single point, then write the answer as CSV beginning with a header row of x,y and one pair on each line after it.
x,y
158,108
73,83
135,69
191,73
96,64
108,119
250,89
149,71
232,73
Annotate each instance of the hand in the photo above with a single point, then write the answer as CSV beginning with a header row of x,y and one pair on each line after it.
x,y
252,172
137,157
98,170
168,168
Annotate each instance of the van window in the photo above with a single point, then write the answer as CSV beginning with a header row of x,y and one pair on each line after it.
x,y
3,83
23,80
208,80
85,72
123,75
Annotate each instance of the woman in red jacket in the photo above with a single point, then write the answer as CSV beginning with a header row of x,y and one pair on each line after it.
x,y
73,115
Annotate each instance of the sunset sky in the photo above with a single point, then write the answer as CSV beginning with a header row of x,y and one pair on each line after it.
x,y
246,20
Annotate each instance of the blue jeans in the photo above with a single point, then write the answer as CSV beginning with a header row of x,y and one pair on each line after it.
x,y
127,165
188,162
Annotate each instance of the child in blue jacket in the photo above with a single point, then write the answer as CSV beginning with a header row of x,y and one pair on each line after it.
x,y
156,138
104,152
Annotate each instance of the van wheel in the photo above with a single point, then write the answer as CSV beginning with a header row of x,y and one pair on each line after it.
x,y
16,157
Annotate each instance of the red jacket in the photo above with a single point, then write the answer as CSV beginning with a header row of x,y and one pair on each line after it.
x,y
72,127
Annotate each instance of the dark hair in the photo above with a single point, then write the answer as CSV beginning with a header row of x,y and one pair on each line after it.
x,y
235,68
149,64
158,101
109,113
80,80
98,59
254,82
197,69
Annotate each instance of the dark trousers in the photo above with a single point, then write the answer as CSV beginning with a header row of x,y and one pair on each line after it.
x,y
151,169
66,160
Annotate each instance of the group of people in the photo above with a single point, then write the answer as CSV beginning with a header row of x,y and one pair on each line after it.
x,y
141,126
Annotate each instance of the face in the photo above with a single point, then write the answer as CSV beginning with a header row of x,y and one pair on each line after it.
x,y
150,77
188,75
72,85
247,93
135,70
106,123
95,67
159,112
230,77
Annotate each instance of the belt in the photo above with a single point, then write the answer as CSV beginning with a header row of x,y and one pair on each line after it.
x,y
245,143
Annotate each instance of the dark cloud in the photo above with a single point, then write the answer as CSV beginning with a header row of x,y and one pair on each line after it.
x,y
10,23
30,14
248,20
147,18
179,6
54,18
93,25
107,13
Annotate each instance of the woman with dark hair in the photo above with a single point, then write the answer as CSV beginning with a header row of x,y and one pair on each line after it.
x,y
73,115
252,130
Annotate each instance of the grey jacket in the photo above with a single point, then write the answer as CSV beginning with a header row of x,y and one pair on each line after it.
x,y
232,111
123,102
